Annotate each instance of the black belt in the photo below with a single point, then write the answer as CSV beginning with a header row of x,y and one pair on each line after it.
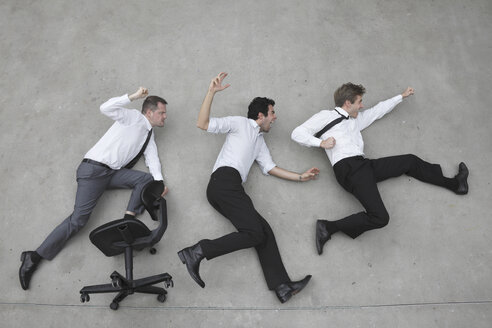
x,y
90,161
346,159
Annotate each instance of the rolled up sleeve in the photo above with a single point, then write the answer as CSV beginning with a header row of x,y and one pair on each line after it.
x,y
220,125
264,159
152,160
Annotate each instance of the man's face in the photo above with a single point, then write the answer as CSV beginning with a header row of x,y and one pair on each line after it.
x,y
157,117
353,108
268,120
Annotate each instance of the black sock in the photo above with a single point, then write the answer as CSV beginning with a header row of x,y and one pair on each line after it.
x,y
332,226
129,216
451,184
35,257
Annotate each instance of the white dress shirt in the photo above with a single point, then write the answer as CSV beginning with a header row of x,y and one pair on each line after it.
x,y
346,133
243,145
125,138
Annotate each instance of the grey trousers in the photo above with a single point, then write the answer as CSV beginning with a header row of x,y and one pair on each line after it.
x,y
92,181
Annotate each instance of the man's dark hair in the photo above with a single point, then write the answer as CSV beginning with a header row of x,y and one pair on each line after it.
x,y
150,103
348,91
259,105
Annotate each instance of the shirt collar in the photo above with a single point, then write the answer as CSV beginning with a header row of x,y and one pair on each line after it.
x,y
254,125
342,111
147,123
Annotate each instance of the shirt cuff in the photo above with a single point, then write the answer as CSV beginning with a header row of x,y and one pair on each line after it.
x,y
268,168
212,125
157,176
315,142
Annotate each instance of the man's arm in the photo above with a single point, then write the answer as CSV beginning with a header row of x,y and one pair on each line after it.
x,y
215,86
310,174
370,115
115,108
304,133
153,163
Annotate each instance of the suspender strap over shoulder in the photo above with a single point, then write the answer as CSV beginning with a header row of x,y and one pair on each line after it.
x,y
136,158
330,125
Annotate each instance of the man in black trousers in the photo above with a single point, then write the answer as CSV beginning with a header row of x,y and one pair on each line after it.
x,y
244,145
338,132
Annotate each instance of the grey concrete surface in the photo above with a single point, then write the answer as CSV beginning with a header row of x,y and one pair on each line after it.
x,y
430,267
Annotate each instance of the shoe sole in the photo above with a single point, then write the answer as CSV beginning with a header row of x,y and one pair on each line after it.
x,y
181,257
22,258
466,180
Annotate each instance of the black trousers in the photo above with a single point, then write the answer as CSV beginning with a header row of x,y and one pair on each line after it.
x,y
226,194
359,175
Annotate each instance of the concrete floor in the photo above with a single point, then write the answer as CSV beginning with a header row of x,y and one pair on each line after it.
x,y
430,267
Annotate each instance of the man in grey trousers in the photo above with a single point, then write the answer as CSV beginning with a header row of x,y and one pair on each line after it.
x,y
108,165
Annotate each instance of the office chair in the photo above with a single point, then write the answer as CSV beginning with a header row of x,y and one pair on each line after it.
x,y
124,236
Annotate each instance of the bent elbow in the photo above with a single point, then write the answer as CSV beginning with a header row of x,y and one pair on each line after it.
x,y
104,108
294,134
202,126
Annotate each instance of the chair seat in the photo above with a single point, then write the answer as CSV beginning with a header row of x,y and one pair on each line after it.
x,y
109,237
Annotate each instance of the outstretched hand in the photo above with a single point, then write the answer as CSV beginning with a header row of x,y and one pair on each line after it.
x,y
310,174
408,92
216,83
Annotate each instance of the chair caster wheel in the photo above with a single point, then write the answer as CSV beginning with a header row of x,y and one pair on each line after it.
x,y
161,298
114,306
116,282
152,250
85,298
169,283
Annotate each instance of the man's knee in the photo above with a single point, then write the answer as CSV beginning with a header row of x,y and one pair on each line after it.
x,y
257,234
77,222
146,178
379,219
411,159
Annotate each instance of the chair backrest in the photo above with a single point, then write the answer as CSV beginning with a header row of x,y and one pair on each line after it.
x,y
157,208
113,237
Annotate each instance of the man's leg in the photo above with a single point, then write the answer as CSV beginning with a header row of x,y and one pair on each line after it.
x,y
414,166
92,181
253,231
364,188
411,165
359,178
362,184
230,200
131,179
226,194
270,259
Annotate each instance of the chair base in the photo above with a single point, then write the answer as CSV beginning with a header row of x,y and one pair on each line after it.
x,y
124,287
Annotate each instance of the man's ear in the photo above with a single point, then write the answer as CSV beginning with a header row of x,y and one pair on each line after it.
x,y
347,103
261,116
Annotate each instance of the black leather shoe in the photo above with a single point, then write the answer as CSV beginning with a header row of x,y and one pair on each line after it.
x,y
286,290
462,177
26,269
191,256
322,235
